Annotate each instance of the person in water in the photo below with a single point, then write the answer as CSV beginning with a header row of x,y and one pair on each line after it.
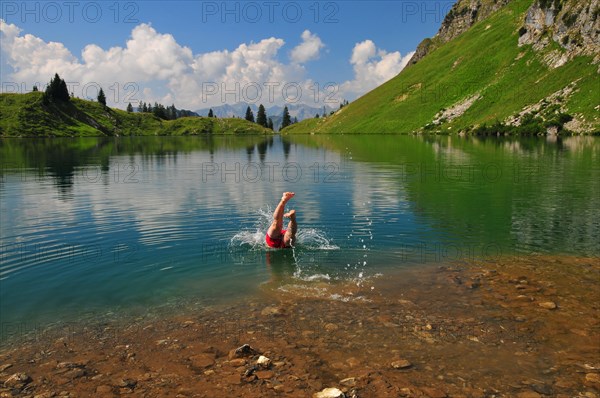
x,y
277,237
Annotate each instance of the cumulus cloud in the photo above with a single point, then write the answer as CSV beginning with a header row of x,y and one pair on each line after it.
x,y
163,70
148,56
307,50
30,56
372,67
152,66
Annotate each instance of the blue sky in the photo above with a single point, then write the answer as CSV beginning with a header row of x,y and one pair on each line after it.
x,y
388,30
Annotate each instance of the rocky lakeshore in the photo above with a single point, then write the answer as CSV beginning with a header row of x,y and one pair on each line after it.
x,y
514,327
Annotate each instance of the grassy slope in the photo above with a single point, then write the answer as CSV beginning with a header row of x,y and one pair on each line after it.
x,y
27,115
484,60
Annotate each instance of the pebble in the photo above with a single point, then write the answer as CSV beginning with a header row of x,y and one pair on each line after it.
x,y
272,311
549,305
331,392
75,373
592,379
202,360
243,351
263,362
473,284
127,383
232,379
17,380
542,389
401,364
348,382
330,327
104,389
264,374
236,362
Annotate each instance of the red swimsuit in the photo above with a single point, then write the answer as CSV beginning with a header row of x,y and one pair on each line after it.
x,y
276,243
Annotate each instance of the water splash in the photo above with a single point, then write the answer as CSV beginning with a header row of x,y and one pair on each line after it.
x,y
306,238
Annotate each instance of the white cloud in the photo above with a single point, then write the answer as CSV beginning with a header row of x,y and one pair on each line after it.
x,y
163,70
307,50
147,57
30,56
152,66
372,67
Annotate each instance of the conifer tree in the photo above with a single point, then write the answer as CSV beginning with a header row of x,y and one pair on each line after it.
x,y
249,114
101,97
261,116
57,90
286,118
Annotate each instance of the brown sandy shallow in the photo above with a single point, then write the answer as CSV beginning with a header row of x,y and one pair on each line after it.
x,y
513,327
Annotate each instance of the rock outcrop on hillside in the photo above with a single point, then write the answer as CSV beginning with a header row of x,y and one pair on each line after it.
x,y
459,19
573,25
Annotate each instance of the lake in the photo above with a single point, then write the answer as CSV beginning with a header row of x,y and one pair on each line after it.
x,y
94,227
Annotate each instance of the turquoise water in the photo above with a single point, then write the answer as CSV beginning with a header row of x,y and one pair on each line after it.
x,y
97,225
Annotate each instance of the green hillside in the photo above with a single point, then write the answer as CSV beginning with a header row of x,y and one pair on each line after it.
x,y
27,115
480,78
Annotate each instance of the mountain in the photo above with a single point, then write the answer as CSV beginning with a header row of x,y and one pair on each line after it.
x,y
495,66
29,115
300,111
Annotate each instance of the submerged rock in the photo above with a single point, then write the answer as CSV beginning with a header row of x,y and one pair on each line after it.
x,y
330,327
264,374
104,389
592,380
17,380
237,362
127,383
549,305
202,360
272,311
5,366
543,389
401,364
348,382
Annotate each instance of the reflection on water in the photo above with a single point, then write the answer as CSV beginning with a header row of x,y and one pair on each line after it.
x,y
105,223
